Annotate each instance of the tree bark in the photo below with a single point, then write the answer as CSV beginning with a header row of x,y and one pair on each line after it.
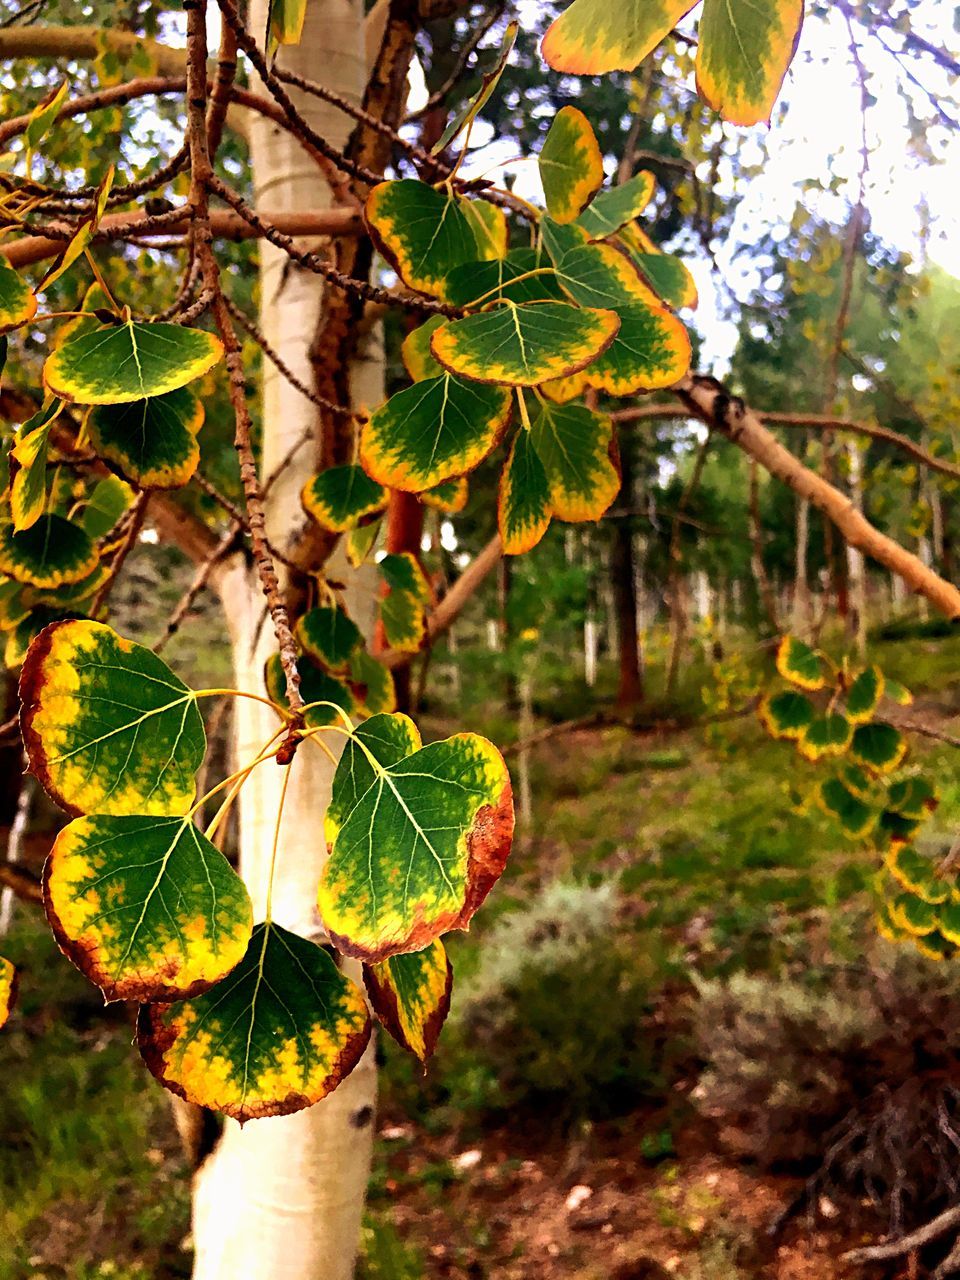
x,y
283,1198
624,583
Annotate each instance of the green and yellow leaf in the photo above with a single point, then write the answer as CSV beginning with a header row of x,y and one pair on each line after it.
x,y
571,165
450,496
286,21
410,995
618,206
949,922
593,36
361,540
524,506
490,226
669,277
897,692
152,443
524,345
18,303
341,497
43,115
373,685
578,450
786,714
913,915
329,636
433,430
107,726
8,990
28,493
52,552
104,506
491,79
277,1035
420,850
388,739
827,735
798,663
325,695
840,802
120,363
423,233
403,609
598,275
916,874
878,746
521,276
418,359
864,694
914,797
651,351
743,55
146,907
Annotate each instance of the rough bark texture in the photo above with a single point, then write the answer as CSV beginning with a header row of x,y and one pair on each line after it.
x,y
283,1197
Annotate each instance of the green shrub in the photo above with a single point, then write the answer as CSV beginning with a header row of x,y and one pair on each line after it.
x,y
557,1012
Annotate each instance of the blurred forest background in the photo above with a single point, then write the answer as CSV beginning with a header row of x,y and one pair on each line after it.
x,y
678,1045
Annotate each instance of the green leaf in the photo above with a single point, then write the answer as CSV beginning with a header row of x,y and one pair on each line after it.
x,y
417,356
897,692
18,303
597,275
511,277
934,946
827,735
402,610
878,746
361,540
389,739
786,714
43,115
51,552
316,687
854,816
146,907
914,797
8,990
949,922
450,496
651,351
913,915
617,206
105,505
329,636
490,227
286,21
423,233
571,165
410,995
82,237
798,663
524,507
107,726
120,363
524,345
579,454
669,277
372,683
476,104
277,1035
595,36
559,240
341,497
916,874
433,430
152,443
896,828
420,850
864,695
28,495
743,54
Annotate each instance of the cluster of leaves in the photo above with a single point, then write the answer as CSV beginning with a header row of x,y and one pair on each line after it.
x,y
584,305
838,718
743,49
251,1020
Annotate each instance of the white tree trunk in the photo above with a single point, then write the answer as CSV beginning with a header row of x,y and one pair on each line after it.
x,y
282,1199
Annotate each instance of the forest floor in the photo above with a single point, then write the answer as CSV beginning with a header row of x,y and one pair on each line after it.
x,y
714,874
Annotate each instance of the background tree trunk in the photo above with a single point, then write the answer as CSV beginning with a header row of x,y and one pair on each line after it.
x,y
283,1198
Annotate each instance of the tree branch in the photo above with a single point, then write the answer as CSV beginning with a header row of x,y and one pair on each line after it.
x,y
709,401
